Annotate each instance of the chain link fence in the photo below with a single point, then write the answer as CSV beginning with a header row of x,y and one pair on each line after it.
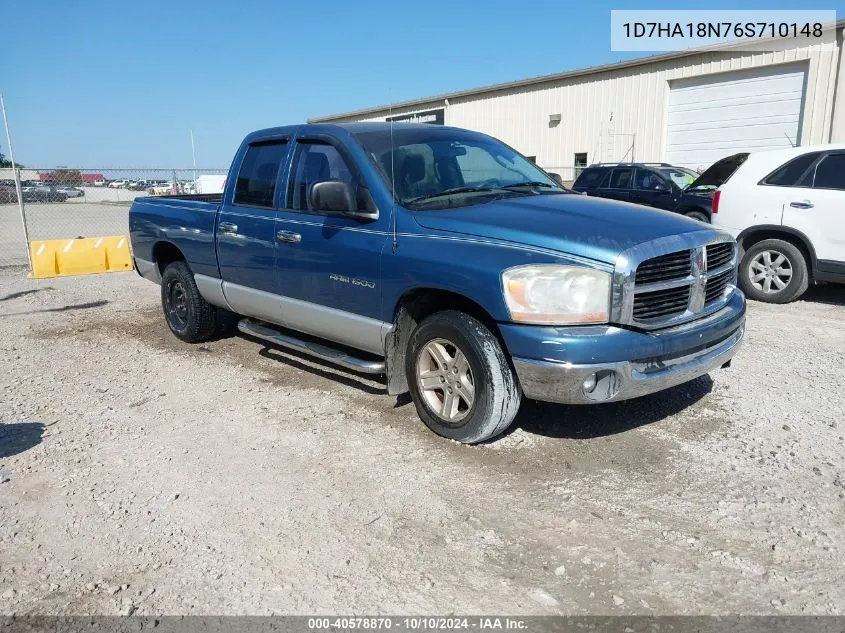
x,y
67,203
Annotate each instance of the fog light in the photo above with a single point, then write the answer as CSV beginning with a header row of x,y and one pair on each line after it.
x,y
601,386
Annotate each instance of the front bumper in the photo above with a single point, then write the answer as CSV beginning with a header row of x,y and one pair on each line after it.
x,y
591,366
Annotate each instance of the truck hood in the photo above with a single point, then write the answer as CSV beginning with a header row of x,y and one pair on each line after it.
x,y
594,228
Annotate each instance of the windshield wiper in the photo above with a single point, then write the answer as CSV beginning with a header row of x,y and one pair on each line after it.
x,y
531,183
452,191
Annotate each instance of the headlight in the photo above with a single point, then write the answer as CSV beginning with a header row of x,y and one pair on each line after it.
x,y
552,294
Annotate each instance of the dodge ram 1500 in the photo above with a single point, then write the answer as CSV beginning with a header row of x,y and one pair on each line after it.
x,y
448,262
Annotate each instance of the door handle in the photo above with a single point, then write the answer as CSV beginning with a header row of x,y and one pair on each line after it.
x,y
802,204
228,227
289,236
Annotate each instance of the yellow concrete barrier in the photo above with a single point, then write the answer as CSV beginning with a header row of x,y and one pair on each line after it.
x,y
80,256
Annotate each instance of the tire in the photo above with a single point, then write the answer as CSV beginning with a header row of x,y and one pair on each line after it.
x,y
780,263
698,215
458,351
190,317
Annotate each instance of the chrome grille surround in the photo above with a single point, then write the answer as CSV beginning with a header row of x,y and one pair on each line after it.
x,y
624,287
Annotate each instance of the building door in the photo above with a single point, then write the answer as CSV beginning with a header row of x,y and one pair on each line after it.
x,y
717,115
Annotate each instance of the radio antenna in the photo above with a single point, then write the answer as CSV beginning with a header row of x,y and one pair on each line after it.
x,y
392,180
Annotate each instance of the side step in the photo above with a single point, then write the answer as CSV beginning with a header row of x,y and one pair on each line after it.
x,y
328,354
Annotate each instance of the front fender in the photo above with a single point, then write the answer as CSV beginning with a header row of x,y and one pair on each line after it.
x,y
467,266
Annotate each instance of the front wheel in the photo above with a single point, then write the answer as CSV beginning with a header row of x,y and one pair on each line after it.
x,y
460,380
773,271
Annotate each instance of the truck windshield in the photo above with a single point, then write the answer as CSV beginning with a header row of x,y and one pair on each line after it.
x,y
438,167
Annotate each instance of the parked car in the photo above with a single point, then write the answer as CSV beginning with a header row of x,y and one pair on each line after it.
x,y
785,208
118,184
658,185
467,275
36,191
70,192
163,189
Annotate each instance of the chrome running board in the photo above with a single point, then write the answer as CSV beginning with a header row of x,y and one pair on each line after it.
x,y
323,352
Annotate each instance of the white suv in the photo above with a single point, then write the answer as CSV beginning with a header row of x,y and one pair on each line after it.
x,y
786,209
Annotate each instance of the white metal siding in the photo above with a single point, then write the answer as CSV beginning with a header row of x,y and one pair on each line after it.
x,y
607,114
711,117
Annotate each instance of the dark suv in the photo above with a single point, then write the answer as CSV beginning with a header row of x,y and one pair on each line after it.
x,y
658,185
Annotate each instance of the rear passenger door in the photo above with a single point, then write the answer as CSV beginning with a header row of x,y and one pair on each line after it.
x,y
245,236
327,262
618,186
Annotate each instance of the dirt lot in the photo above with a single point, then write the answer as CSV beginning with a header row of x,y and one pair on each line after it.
x,y
145,475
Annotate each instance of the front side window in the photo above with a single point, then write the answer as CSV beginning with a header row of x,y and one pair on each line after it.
x,y
795,173
256,183
439,168
621,178
830,173
647,180
315,162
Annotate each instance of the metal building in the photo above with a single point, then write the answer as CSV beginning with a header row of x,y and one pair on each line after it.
x,y
688,108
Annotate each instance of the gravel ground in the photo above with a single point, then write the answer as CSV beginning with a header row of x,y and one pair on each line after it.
x,y
143,475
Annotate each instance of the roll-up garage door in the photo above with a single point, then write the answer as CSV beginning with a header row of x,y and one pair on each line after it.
x,y
717,115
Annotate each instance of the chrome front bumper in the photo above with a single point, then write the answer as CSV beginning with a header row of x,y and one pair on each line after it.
x,y
565,382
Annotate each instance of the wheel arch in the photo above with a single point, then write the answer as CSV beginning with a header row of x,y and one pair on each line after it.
x,y
754,234
165,253
411,308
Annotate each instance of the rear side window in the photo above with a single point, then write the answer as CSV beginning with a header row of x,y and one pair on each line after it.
x,y
795,173
621,178
830,173
589,179
256,184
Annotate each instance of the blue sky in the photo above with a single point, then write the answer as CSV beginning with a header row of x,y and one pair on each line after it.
x,y
120,84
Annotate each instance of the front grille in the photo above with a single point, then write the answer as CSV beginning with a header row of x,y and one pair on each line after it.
x,y
661,303
719,254
675,287
672,266
716,286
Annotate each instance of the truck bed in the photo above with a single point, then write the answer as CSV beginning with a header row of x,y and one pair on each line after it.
x,y
186,221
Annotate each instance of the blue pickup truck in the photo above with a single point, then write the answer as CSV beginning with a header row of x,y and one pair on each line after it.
x,y
448,262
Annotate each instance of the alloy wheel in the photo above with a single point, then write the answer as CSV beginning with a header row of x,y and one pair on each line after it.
x,y
445,380
770,271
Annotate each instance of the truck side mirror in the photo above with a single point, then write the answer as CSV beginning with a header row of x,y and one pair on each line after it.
x,y
556,177
339,197
333,195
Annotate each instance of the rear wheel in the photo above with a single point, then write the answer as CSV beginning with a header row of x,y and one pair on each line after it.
x,y
773,271
460,380
698,215
190,317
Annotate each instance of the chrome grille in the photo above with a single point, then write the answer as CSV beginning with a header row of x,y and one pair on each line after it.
x,y
674,279
671,266
716,285
661,303
667,301
719,254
